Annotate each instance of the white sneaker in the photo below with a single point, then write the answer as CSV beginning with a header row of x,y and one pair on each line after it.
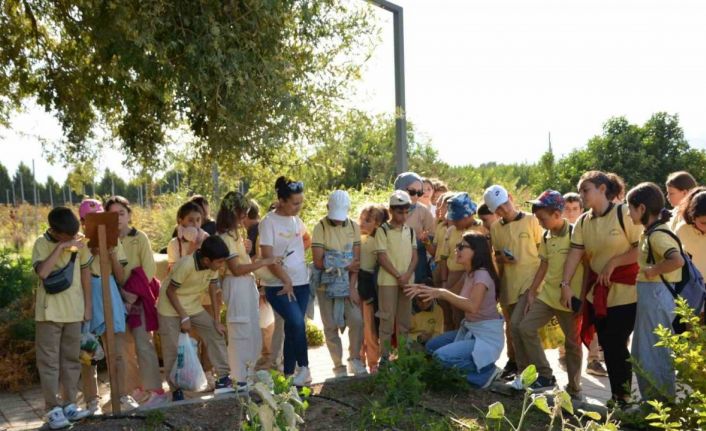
x,y
302,377
356,367
128,403
155,399
74,414
57,419
94,407
517,384
339,373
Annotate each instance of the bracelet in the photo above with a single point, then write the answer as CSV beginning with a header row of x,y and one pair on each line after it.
x,y
185,319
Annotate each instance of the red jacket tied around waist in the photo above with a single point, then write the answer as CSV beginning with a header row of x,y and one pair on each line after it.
x,y
147,292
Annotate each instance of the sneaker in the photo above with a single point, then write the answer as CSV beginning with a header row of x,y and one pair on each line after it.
x,y
543,384
94,407
356,367
596,368
57,419
128,403
515,384
302,377
156,399
509,371
496,373
340,372
73,413
177,395
224,385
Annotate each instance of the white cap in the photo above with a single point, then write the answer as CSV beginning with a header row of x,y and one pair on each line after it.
x,y
495,196
400,198
338,205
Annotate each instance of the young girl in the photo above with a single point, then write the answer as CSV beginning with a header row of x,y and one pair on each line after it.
x,y
609,237
659,260
189,233
142,362
476,346
89,373
371,217
283,234
239,290
679,184
692,229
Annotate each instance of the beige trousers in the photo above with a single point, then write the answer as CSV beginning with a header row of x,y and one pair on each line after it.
x,y
58,346
354,323
394,308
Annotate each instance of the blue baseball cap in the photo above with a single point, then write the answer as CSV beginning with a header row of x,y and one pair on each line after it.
x,y
550,199
460,206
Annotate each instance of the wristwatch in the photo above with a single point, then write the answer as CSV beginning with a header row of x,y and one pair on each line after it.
x,y
564,283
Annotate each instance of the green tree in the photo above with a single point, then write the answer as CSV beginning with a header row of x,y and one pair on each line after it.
x,y
245,77
111,181
5,185
23,184
56,193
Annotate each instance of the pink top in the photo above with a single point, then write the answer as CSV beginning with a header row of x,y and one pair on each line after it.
x,y
488,309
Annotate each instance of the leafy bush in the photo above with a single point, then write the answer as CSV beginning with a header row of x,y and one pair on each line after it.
x,y
17,277
314,335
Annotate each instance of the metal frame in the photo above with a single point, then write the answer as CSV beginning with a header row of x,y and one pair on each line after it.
x,y
401,164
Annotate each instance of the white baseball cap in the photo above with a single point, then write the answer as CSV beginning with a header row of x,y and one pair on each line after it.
x,y
400,198
495,196
338,205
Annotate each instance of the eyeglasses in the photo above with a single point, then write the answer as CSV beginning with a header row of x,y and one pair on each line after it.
x,y
419,193
296,187
460,246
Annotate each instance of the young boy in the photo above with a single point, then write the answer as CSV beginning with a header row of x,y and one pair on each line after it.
x,y
180,308
549,299
396,250
515,237
573,207
63,302
427,320
460,211
487,217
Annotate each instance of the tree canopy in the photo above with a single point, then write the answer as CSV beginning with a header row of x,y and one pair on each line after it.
x,y
245,76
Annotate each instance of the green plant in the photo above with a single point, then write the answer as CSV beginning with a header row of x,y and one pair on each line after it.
x,y
687,350
584,421
314,335
16,276
281,405
154,419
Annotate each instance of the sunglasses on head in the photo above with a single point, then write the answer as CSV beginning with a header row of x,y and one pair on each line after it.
x,y
296,187
460,246
419,193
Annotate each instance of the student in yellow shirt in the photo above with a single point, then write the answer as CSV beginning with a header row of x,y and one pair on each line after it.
x,y
63,302
371,217
180,309
144,380
189,233
460,214
396,250
442,225
547,299
419,219
515,237
692,229
427,320
487,217
609,238
660,261
240,290
679,184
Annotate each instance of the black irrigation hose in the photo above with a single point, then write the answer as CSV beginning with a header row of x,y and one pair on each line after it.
x,y
124,416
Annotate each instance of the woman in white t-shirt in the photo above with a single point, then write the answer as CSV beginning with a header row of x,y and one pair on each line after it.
x,y
477,344
282,234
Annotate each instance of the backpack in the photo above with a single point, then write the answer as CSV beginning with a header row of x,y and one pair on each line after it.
x,y
411,232
691,287
545,236
619,214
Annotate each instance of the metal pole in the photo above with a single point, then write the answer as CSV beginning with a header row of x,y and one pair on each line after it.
x,y
401,164
34,186
112,186
22,189
14,200
7,196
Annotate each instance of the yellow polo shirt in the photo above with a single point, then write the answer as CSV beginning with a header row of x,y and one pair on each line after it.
x,y
66,306
138,251
427,322
694,243
96,263
192,281
452,238
522,237
399,244
330,236
662,245
439,237
554,251
368,259
603,238
236,249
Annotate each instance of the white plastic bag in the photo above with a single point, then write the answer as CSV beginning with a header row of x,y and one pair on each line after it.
x,y
187,372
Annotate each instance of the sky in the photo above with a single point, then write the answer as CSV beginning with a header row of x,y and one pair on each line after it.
x,y
489,80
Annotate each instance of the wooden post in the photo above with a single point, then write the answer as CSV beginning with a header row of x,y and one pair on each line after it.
x,y
112,354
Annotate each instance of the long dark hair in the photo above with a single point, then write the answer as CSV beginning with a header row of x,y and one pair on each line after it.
x,y
233,206
187,208
694,205
681,180
649,195
614,184
286,187
482,256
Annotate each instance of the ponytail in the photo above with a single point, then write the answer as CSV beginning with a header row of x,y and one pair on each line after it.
x,y
681,180
614,184
286,187
651,196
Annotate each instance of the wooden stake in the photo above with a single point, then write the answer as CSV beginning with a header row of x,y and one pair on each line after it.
x,y
111,352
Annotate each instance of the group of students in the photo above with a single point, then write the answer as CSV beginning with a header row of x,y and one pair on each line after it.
x,y
431,267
